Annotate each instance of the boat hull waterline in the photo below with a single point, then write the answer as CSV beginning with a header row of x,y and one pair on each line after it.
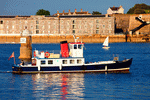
x,y
115,66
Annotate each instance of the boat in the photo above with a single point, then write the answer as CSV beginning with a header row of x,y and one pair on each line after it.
x,y
106,42
69,60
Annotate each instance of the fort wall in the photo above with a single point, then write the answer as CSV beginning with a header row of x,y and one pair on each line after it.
x,y
84,38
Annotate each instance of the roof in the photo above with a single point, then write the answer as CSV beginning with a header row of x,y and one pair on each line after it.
x,y
77,43
7,16
77,16
13,16
115,8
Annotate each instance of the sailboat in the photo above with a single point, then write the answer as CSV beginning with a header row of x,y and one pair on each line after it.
x,y
106,42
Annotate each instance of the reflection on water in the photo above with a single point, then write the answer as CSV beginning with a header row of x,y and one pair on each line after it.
x,y
59,85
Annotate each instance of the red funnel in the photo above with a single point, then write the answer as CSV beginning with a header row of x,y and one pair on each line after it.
x,y
64,49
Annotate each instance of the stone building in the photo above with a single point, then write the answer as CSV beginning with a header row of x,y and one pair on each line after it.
x,y
83,24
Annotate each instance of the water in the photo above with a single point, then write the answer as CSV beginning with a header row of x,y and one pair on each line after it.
x,y
133,85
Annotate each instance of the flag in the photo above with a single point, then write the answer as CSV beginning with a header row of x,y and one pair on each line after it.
x,y
12,55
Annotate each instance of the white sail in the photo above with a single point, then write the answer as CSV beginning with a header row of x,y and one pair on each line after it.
x,y
106,41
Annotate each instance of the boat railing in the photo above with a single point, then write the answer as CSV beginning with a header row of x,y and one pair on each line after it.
x,y
49,51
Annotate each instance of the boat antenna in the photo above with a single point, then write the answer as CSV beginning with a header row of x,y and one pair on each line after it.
x,y
75,38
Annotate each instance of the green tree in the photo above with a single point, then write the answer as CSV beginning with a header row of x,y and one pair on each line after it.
x,y
96,13
139,9
42,12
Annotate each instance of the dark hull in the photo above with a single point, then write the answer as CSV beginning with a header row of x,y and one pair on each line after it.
x,y
119,66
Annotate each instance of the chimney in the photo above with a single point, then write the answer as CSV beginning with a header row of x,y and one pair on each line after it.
x,y
57,12
81,9
69,10
75,10
63,11
106,15
113,6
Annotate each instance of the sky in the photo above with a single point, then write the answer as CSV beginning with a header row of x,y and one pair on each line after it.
x,y
30,7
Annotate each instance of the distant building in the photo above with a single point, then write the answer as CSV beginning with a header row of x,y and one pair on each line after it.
x,y
115,10
77,23
72,13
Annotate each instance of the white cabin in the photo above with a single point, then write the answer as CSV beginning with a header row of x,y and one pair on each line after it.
x,y
76,49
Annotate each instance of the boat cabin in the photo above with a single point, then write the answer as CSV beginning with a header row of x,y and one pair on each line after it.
x,y
76,49
71,54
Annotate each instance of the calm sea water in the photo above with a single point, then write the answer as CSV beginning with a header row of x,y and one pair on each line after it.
x,y
133,85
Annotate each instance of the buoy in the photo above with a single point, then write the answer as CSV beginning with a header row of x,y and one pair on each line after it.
x,y
47,54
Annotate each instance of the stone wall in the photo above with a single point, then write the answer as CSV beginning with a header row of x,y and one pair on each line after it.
x,y
134,23
86,38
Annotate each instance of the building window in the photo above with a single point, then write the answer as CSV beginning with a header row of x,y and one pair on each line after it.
x,y
43,26
62,26
97,26
79,61
49,26
97,31
37,31
103,26
49,22
13,26
1,22
72,61
42,62
37,22
20,26
31,27
97,21
37,26
73,21
109,31
26,22
49,32
54,26
73,26
64,61
50,61
109,26
73,31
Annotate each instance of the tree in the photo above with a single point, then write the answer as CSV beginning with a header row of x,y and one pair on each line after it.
x,y
96,13
139,9
42,12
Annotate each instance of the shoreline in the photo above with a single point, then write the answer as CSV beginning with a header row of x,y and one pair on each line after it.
x,y
84,38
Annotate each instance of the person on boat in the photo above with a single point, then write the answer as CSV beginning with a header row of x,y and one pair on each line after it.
x,y
22,62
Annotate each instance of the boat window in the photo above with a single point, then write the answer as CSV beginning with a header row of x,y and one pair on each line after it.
x,y
75,46
79,46
72,61
64,61
79,61
50,61
42,62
